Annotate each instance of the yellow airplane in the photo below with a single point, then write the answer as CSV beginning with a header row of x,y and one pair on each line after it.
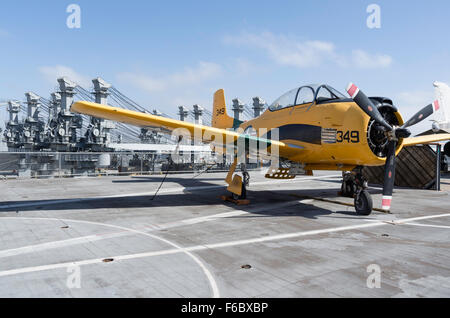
x,y
318,128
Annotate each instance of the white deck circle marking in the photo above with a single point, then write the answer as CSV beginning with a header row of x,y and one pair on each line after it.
x,y
209,276
153,227
188,250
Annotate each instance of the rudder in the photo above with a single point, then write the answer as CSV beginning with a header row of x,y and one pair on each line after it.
x,y
220,116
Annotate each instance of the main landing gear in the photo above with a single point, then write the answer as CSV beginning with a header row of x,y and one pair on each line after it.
x,y
354,185
245,184
237,185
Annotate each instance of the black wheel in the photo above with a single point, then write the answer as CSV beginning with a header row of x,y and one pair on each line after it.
x,y
348,189
246,179
363,203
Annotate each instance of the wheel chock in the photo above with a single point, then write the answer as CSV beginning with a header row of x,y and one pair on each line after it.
x,y
237,202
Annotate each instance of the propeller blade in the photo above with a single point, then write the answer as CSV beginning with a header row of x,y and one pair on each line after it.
x,y
366,105
422,114
389,176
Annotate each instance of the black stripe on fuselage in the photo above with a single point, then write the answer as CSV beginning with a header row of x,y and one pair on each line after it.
x,y
300,132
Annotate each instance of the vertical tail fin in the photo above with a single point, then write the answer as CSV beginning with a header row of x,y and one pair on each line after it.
x,y
220,116
442,116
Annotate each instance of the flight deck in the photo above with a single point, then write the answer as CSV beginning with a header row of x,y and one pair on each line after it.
x,y
111,237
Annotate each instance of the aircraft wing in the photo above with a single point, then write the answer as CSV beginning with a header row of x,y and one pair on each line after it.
x,y
202,133
425,139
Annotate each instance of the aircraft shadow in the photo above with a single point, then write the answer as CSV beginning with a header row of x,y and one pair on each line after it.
x,y
186,182
263,203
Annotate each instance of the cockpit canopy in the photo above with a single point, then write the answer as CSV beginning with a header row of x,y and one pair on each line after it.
x,y
306,95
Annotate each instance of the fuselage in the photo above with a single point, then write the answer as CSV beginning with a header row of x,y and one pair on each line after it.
x,y
333,136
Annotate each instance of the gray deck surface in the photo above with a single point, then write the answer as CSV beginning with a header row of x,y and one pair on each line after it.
x,y
189,243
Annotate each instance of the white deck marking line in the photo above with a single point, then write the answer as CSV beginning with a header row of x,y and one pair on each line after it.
x,y
209,276
214,217
419,218
429,225
55,244
197,248
162,191
153,227
324,231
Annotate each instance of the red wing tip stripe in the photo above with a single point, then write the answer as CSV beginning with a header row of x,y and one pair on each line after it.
x,y
352,90
349,86
436,105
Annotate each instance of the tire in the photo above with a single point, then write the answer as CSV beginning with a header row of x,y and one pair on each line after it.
x,y
246,179
347,189
363,203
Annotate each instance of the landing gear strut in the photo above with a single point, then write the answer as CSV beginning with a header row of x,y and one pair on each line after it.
x,y
245,184
348,187
237,185
354,185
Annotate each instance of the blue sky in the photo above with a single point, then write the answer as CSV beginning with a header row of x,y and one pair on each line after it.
x,y
169,53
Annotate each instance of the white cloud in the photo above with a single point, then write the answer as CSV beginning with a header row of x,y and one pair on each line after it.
x,y
52,73
285,50
363,59
188,77
204,71
289,51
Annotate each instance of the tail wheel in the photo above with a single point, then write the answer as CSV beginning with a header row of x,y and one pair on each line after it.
x,y
363,203
246,179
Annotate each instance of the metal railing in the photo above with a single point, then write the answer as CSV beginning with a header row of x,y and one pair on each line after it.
x,y
25,164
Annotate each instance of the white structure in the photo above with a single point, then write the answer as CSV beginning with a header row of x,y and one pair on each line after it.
x,y
198,113
99,130
238,108
183,113
442,116
258,106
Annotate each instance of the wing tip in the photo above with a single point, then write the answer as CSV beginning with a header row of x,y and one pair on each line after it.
x,y
423,140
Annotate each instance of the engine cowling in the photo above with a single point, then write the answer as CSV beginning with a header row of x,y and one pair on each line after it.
x,y
376,134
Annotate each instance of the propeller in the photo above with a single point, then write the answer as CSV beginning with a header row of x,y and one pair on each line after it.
x,y
389,176
423,114
366,105
393,133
